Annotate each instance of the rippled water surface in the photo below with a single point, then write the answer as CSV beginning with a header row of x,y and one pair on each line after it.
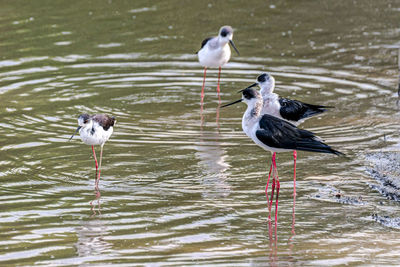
x,y
179,187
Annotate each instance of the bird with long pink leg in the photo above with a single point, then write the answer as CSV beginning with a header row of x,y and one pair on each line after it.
x,y
215,53
275,135
293,111
95,130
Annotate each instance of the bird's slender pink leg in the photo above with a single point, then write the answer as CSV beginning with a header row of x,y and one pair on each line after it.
x,y
294,172
293,215
266,187
98,177
278,186
202,88
294,190
272,198
218,89
95,159
273,186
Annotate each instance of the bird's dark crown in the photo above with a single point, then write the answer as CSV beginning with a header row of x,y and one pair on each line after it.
x,y
85,117
263,77
226,30
249,93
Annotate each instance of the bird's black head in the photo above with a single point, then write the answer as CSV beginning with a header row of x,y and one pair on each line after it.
x,y
225,31
263,77
249,93
84,118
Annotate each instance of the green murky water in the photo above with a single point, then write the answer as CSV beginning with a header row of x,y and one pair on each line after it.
x,y
179,188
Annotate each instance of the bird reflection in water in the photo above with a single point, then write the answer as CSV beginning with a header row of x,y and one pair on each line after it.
x,y
97,197
213,163
273,242
273,237
216,115
398,86
91,238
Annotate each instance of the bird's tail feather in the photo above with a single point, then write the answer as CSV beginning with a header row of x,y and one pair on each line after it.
x,y
316,146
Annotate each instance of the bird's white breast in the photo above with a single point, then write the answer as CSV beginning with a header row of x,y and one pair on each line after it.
x,y
213,55
98,137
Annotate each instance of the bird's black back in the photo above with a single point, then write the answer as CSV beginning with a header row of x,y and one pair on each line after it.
x,y
277,133
295,110
104,120
204,43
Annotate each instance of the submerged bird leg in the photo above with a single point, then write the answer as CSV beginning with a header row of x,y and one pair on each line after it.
x,y
217,115
278,186
219,76
202,88
294,172
293,215
98,177
95,159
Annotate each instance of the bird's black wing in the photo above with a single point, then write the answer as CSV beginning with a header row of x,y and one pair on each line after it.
x,y
204,43
277,133
295,110
104,120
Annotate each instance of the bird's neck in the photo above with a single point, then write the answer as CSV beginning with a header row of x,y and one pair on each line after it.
x,y
266,90
222,41
270,97
253,110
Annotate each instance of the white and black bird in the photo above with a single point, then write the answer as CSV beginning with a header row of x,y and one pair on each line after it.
x,y
290,110
95,130
276,135
293,111
215,52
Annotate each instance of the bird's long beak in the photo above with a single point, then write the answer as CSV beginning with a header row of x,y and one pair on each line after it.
x,y
254,84
77,130
251,86
237,101
234,47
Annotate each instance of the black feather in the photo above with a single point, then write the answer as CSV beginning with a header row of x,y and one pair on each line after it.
x,y
295,110
277,133
204,43
104,120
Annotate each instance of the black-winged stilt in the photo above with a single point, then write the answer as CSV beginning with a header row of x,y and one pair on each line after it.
x,y
293,111
275,135
215,52
95,130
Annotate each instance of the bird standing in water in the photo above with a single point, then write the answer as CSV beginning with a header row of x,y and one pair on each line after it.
x,y
215,52
95,130
275,135
293,111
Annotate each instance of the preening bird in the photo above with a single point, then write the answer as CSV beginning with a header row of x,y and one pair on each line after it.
x,y
95,130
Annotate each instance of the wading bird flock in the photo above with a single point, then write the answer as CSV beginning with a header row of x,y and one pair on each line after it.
x,y
269,120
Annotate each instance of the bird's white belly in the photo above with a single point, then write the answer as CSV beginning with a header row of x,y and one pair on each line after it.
x,y
214,58
99,136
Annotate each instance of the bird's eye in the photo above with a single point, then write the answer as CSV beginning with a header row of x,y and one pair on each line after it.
x,y
224,32
85,121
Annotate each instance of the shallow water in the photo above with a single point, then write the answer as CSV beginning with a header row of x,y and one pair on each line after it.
x,y
178,188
